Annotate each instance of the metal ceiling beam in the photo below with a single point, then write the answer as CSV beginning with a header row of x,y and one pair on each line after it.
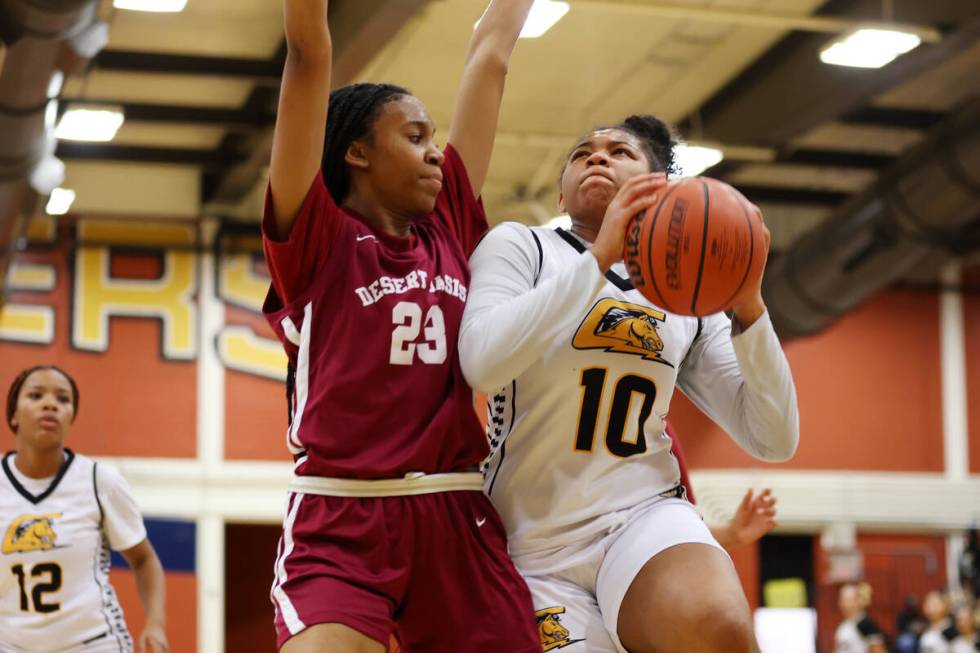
x,y
207,159
247,118
715,14
260,71
360,29
789,90
892,117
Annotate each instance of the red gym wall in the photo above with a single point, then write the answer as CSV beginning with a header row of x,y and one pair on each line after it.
x,y
971,322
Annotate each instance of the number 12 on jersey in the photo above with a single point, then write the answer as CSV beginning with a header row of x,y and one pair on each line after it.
x,y
593,384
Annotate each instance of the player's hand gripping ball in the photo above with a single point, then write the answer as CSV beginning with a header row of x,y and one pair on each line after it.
x,y
699,250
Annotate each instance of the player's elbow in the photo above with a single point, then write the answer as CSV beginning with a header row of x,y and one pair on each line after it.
x,y
476,367
782,448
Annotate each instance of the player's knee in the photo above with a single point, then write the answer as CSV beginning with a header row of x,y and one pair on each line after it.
x,y
724,626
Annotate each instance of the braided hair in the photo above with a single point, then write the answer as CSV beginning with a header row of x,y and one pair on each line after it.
x,y
13,394
656,138
352,112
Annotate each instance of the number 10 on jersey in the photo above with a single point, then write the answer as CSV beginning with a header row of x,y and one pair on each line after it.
x,y
593,384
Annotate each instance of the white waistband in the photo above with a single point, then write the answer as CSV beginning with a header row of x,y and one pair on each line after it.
x,y
412,483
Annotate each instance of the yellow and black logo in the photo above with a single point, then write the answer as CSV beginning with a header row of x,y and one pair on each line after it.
x,y
622,327
31,533
553,634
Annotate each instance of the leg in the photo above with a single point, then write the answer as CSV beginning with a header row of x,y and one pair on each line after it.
x,y
465,594
337,575
666,586
686,599
567,614
336,638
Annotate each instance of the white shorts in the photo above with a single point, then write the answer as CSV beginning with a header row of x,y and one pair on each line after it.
x,y
580,605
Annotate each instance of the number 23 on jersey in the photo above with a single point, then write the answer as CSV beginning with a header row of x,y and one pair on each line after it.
x,y
409,324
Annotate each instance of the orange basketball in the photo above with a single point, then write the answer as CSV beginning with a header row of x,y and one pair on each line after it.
x,y
698,249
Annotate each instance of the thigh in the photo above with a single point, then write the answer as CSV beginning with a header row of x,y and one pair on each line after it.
x,y
340,561
336,638
568,614
687,598
465,594
661,573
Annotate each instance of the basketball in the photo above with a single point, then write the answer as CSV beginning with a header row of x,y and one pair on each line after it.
x,y
697,250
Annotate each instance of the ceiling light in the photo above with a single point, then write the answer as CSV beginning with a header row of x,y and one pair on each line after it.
x,y
869,48
170,6
544,14
90,123
60,201
695,159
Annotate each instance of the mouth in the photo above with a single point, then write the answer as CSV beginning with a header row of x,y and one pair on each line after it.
x,y
435,181
596,174
50,422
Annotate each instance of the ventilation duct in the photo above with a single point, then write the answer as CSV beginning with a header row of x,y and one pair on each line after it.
x,y
38,34
926,206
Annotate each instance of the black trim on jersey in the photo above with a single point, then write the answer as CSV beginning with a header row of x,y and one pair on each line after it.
x,y
537,241
503,445
69,456
96,638
95,489
623,284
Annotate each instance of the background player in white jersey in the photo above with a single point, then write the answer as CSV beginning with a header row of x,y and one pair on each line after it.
x,y
59,514
580,369
858,633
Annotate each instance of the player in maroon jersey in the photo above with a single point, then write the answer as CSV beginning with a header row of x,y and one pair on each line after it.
x,y
367,231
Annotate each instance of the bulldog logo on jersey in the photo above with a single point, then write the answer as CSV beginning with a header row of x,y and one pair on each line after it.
x,y
622,327
553,634
31,533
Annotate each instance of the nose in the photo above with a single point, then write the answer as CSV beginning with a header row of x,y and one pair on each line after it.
x,y
434,156
597,158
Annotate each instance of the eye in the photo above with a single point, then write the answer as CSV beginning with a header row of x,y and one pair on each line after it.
x,y
415,138
65,399
623,150
34,395
577,154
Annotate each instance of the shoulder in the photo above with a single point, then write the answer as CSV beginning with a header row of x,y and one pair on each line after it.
x,y
508,235
867,627
109,479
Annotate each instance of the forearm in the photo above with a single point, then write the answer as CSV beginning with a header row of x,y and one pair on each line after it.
x,y
494,38
151,587
745,385
305,23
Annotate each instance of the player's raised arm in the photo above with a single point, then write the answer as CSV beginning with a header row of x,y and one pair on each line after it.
x,y
297,146
482,87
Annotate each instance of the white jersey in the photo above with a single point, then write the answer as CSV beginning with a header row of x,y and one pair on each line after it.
x,y
580,369
54,561
856,635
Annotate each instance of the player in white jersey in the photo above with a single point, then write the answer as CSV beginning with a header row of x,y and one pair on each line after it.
x,y
580,369
60,512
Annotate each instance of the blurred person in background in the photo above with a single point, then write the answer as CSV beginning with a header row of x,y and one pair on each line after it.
x,y
940,632
966,640
910,623
857,633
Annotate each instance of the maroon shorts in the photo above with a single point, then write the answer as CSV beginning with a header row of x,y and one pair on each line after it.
x,y
433,569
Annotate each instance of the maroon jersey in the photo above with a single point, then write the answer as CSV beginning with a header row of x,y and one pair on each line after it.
x,y
370,322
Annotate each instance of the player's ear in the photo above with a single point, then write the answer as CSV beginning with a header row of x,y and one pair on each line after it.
x,y
356,156
561,202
